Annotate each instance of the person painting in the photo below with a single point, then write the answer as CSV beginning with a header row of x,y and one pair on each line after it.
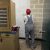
x,y
29,28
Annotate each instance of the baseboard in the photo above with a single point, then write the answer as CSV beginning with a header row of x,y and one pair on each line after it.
x,y
38,39
21,37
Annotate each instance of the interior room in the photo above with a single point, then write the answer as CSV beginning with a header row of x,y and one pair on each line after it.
x,y
13,27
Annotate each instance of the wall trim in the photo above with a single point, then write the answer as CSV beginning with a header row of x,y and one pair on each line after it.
x,y
38,39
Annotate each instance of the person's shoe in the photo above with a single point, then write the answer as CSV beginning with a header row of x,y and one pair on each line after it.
x,y
28,47
32,48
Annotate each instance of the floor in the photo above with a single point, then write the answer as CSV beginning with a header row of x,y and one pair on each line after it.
x,y
23,45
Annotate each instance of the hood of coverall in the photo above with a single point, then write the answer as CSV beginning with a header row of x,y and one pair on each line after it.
x,y
28,11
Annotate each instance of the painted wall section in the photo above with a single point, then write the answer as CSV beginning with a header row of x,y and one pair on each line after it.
x,y
21,6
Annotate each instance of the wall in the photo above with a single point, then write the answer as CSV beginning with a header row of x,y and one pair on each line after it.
x,y
21,6
37,12
46,19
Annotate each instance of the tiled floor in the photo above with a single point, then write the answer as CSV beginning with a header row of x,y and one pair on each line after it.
x,y
24,47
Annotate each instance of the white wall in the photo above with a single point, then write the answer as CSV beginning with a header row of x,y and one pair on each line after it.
x,y
21,6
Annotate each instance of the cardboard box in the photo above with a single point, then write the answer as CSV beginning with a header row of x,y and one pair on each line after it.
x,y
9,41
